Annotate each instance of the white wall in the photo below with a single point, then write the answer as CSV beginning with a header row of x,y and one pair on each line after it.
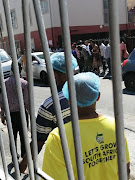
x,y
81,13
55,15
123,12
86,12
17,5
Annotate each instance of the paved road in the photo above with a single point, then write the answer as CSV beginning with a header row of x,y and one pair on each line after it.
x,y
104,106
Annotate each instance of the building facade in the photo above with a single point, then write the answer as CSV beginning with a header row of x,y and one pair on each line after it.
x,y
87,19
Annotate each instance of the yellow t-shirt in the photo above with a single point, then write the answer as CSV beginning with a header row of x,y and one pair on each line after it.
x,y
98,147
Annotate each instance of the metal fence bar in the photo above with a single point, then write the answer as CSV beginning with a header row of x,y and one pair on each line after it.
x,y
25,4
18,84
117,89
3,156
71,86
116,73
9,125
53,88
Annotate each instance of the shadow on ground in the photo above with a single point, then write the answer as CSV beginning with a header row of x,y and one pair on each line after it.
x,y
125,91
107,76
12,173
40,83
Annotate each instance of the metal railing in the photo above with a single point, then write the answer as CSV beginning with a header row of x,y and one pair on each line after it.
x,y
117,89
34,171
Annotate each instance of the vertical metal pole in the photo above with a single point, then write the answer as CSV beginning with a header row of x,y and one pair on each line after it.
x,y
126,12
117,89
3,156
18,84
2,43
53,89
27,36
51,19
73,105
9,125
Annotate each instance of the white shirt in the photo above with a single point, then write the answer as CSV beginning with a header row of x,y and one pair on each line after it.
x,y
88,49
107,53
102,49
83,46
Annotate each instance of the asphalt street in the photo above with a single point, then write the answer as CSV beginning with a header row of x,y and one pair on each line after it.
x,y
104,106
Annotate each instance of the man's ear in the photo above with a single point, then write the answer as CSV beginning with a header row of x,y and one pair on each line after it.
x,y
98,96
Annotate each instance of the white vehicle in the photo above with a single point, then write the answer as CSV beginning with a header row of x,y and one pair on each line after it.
x,y
39,66
6,62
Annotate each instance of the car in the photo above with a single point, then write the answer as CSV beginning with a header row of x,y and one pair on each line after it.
x,y
39,66
6,62
128,71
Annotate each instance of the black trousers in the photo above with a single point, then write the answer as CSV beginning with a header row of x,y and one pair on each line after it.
x,y
17,128
103,63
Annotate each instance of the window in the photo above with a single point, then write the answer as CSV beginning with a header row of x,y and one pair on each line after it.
x,y
1,25
106,12
44,6
13,19
131,15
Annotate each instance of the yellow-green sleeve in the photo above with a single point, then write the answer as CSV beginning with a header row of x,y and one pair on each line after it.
x,y
53,162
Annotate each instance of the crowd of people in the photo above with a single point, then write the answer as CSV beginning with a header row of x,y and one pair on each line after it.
x,y
94,55
90,55
97,131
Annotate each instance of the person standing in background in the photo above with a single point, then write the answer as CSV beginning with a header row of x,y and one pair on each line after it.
x,y
96,57
23,60
14,107
85,61
88,47
74,50
102,52
107,56
123,50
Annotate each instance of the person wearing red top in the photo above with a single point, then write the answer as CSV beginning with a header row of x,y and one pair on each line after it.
x,y
123,50
14,107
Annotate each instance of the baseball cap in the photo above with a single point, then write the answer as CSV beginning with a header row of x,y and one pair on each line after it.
x,y
87,88
58,62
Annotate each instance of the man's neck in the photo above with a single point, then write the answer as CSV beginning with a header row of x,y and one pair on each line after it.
x,y
87,112
59,88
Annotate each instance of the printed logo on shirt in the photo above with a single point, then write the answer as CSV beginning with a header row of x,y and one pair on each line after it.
x,y
99,138
100,154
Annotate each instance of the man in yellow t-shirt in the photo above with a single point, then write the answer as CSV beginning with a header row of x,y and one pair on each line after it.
x,y
97,137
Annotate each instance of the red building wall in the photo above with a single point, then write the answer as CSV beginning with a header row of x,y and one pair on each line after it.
x,y
54,33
